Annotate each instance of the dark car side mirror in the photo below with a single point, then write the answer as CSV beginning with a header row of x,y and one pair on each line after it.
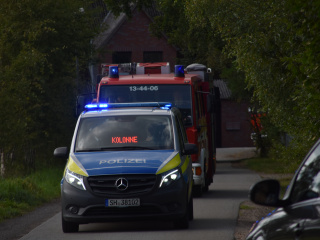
x,y
190,149
266,192
61,152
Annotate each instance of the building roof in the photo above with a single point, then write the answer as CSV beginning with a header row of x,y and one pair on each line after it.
x,y
225,92
112,23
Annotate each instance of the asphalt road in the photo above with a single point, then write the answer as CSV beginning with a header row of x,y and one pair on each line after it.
x,y
215,216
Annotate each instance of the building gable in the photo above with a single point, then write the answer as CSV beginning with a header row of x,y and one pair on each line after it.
x,y
132,39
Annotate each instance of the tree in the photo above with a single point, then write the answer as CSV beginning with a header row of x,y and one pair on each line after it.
x,y
275,44
39,43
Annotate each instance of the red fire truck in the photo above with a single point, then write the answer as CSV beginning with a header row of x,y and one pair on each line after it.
x,y
191,92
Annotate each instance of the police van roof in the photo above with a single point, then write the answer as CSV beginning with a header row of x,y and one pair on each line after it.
x,y
125,108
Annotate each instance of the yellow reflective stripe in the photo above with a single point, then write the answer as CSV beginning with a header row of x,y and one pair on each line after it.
x,y
185,164
72,166
173,163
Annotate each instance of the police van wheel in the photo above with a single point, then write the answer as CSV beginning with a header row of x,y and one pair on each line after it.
x,y
183,223
69,227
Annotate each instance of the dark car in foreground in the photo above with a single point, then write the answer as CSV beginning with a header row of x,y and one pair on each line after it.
x,y
297,215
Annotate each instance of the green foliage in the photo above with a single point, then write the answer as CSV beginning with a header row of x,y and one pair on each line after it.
x,y
39,44
292,155
275,45
19,195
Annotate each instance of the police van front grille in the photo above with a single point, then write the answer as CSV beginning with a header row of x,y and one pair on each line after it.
x,y
110,184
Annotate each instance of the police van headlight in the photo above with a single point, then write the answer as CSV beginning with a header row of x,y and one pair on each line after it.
x,y
74,179
168,178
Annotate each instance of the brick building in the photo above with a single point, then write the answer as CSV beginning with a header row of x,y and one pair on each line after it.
x,y
234,120
129,40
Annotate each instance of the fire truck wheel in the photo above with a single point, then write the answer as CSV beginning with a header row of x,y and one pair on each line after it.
x,y
197,191
190,206
206,187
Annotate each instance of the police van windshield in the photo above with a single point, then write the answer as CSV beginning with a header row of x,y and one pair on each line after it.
x,y
179,95
124,133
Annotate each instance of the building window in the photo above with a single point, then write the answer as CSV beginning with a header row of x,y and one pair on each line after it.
x,y
121,57
231,126
152,56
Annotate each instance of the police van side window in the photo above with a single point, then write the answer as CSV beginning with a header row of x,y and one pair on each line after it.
x,y
181,132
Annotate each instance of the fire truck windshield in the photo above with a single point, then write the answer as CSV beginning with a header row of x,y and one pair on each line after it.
x,y
179,95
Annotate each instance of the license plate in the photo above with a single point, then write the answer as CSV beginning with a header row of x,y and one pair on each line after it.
x,y
131,202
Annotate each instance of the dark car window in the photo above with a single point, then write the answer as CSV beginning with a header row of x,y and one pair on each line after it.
x,y
307,184
126,132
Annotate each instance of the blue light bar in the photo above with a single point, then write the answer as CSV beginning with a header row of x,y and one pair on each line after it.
x,y
178,71
113,72
102,106
96,106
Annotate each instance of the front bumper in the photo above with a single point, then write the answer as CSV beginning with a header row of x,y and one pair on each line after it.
x,y
167,203
198,175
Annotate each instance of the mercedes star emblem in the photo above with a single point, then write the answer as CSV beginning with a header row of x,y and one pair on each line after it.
x,y
121,184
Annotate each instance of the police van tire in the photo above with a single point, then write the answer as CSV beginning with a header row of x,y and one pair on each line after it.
x,y
183,223
69,227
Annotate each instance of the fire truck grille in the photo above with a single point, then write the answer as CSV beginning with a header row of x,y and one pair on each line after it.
x,y
121,184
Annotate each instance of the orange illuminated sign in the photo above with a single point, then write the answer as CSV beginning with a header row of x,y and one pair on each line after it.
x,y
133,139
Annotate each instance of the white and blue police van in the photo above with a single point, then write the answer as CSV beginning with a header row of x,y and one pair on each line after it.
x,y
128,161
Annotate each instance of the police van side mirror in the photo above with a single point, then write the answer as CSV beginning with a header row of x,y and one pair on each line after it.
x,y
190,149
61,152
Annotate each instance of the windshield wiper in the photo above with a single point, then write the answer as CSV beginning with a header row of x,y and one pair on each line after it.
x,y
90,150
127,148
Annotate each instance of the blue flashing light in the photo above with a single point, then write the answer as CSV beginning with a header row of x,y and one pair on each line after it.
x,y
113,72
90,106
102,106
167,106
96,106
178,71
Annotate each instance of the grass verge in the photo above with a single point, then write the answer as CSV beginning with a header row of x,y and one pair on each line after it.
x,y
20,195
